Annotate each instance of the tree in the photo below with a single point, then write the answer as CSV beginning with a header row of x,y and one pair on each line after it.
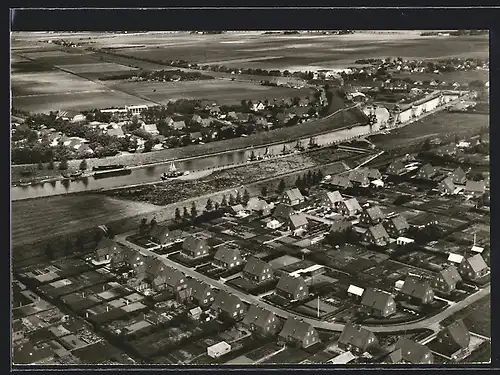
x,y
309,178
217,206
246,196
426,146
49,252
148,145
209,206
320,175
63,165
263,191
223,203
238,197
194,212
40,166
153,223
232,201
51,164
177,214
83,165
143,227
281,186
299,183
185,214
252,156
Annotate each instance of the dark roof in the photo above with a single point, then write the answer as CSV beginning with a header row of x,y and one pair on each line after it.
x,y
399,222
359,176
376,299
397,165
415,287
198,288
227,255
340,225
255,266
227,302
413,352
192,243
477,263
282,211
475,186
258,316
357,336
448,184
295,328
290,284
378,231
395,356
450,275
458,174
458,333
160,232
342,181
106,246
298,220
375,213
427,171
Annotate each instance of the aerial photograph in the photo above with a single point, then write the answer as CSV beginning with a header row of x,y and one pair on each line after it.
x,y
255,198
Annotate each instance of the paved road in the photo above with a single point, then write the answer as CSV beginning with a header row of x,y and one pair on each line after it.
x,y
431,322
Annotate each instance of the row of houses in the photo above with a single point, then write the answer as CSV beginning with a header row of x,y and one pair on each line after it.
x,y
360,177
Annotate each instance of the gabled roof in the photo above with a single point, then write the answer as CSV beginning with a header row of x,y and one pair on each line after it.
x,y
298,220
448,184
105,243
295,328
256,204
475,186
290,284
237,208
150,128
458,333
340,225
173,277
255,266
206,121
397,165
227,255
371,173
458,175
395,356
359,176
450,275
400,222
427,171
178,124
375,213
352,204
413,352
294,194
334,196
160,232
283,211
226,302
376,299
357,336
415,287
342,181
192,243
378,231
477,263
118,132
258,316
198,288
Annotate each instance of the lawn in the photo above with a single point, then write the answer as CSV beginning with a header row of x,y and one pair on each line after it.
x,y
219,91
39,219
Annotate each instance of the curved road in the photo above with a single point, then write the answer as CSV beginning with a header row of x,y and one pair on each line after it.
x,y
429,323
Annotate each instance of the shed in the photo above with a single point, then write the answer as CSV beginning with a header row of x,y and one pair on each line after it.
x,y
219,349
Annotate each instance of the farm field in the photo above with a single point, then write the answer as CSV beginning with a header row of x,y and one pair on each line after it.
x,y
38,219
439,124
221,92
458,76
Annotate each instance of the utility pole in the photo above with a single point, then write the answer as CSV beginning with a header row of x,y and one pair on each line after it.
x,y
318,307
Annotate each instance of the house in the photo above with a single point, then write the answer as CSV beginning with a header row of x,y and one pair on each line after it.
x,y
232,115
423,220
455,259
427,172
257,271
196,119
394,357
238,210
83,149
200,293
396,168
121,256
446,280
473,268
292,197
260,121
359,177
298,223
376,235
228,306
396,226
150,128
331,199
303,102
413,352
163,277
215,111
299,333
282,212
283,117
446,186
195,313
138,263
242,117
179,125
227,258
475,187
340,225
372,216
195,136
340,182
194,247
446,150
356,339
258,205
161,235
206,122
349,207
169,121
355,292
300,112
261,321
455,337
105,249
273,224
417,290
371,173
458,176
292,288
116,132
378,303
258,107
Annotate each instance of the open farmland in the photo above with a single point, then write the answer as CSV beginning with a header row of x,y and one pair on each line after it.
x,y
437,125
461,77
221,92
39,219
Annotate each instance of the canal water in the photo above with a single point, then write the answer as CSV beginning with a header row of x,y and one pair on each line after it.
x,y
150,174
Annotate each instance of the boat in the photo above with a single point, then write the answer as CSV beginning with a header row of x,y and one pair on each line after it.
x,y
312,143
286,150
76,175
173,172
111,171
